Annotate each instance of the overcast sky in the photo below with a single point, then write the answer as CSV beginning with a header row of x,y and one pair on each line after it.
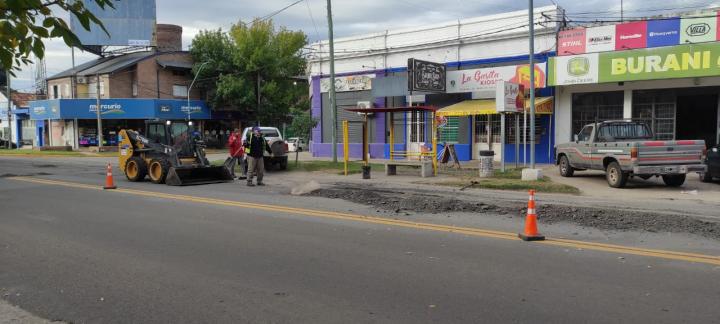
x,y
353,17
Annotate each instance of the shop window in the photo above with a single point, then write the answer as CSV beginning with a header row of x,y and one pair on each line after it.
x,y
482,122
417,127
510,129
657,109
588,108
180,91
55,92
448,130
134,88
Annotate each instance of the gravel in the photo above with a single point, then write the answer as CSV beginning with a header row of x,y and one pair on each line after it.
x,y
395,201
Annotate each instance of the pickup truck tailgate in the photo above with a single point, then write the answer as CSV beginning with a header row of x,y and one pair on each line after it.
x,y
670,152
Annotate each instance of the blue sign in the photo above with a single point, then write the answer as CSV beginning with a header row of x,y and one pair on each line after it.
x,y
663,32
118,109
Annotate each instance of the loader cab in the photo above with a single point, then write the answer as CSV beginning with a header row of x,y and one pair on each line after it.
x,y
177,134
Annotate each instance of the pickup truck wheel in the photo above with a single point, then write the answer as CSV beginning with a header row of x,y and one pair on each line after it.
x,y
565,169
674,180
616,178
705,177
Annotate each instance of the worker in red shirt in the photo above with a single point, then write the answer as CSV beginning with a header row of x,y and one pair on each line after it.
x,y
237,153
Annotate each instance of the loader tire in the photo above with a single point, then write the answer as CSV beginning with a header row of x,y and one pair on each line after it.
x,y
158,170
135,169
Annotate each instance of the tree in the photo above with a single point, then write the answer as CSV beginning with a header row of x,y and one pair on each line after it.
x,y
248,56
302,123
25,24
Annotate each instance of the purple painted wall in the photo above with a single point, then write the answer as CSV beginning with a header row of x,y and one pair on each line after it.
x,y
377,150
316,109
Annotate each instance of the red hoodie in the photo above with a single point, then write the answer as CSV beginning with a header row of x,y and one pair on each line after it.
x,y
235,145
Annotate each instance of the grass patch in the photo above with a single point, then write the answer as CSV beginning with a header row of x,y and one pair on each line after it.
x,y
329,166
510,180
22,152
25,152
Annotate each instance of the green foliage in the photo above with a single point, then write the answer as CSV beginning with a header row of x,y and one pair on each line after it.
x,y
239,58
302,124
25,24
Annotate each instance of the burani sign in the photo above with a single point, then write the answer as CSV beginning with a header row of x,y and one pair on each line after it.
x,y
682,61
426,76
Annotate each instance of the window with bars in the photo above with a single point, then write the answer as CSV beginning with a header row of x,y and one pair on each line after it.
x,y
588,108
417,127
448,133
657,109
482,122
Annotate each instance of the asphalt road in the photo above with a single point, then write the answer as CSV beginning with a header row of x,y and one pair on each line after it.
x,y
90,256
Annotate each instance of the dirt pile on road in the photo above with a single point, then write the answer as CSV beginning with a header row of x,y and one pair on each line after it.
x,y
404,201
399,202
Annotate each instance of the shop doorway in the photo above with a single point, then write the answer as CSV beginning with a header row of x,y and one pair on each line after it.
x,y
697,118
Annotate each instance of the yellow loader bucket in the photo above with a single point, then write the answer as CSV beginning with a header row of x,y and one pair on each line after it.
x,y
184,176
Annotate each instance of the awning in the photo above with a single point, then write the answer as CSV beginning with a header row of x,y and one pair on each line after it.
x,y
468,108
175,64
543,106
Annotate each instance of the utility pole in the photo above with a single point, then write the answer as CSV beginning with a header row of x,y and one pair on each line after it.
x,y
9,107
532,84
622,14
97,112
333,107
257,109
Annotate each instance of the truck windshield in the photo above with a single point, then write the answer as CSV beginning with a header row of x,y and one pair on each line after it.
x,y
269,133
611,132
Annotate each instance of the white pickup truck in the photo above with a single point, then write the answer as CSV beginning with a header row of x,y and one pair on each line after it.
x,y
626,149
278,146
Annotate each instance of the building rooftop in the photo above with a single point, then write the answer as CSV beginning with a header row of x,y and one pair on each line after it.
x,y
105,65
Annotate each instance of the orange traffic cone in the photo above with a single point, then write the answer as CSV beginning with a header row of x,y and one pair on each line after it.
x,y
531,231
109,183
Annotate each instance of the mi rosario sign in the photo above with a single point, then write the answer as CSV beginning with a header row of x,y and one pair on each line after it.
x,y
682,61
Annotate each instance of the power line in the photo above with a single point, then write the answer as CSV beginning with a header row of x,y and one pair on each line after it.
x,y
317,33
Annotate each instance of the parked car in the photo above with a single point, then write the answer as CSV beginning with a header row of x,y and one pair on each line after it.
x,y
297,144
625,149
713,165
278,146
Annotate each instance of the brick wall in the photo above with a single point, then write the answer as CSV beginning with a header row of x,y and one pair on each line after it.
x,y
148,72
121,84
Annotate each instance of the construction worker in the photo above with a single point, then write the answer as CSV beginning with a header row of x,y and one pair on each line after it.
x,y
237,153
255,144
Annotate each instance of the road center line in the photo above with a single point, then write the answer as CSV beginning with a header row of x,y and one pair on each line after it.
x,y
662,254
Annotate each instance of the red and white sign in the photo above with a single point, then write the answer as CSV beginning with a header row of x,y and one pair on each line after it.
x,y
631,35
571,41
486,79
509,97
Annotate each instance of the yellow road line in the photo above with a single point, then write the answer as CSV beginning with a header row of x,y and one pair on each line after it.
x,y
663,254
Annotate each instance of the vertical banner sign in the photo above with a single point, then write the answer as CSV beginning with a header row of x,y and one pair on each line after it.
x,y
600,39
698,30
663,32
426,76
571,41
631,35
509,97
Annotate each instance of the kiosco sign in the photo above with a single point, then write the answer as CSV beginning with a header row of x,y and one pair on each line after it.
x,y
681,61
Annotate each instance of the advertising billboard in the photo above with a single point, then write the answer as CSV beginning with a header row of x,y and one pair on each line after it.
x,y
426,76
571,41
663,32
131,23
486,79
698,30
681,61
600,39
631,35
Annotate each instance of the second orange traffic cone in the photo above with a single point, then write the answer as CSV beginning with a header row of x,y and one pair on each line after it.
x,y
531,231
109,183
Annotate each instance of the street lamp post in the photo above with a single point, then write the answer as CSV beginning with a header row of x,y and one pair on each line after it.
x,y
190,88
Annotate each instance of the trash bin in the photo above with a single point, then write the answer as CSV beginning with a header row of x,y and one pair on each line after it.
x,y
366,172
486,164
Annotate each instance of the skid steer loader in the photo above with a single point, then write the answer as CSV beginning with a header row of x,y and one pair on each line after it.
x,y
169,153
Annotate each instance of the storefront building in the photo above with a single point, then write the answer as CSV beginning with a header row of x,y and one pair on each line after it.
x,y
665,72
73,122
371,72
